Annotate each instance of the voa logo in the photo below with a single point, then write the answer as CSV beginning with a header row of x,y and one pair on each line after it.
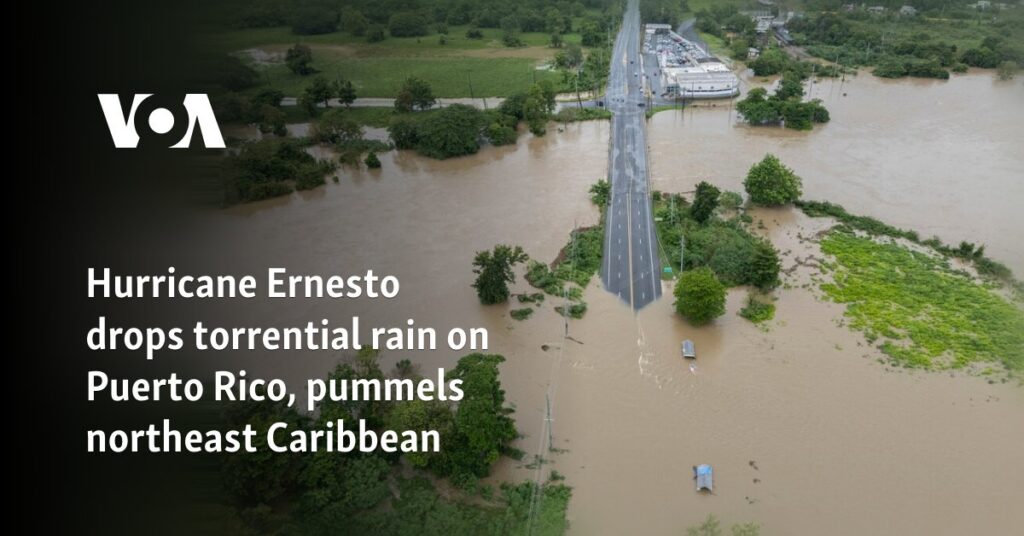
x,y
162,119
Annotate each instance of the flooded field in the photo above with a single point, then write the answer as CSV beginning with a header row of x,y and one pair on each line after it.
x,y
941,157
808,433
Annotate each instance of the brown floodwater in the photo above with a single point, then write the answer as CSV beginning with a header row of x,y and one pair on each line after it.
x,y
807,431
942,157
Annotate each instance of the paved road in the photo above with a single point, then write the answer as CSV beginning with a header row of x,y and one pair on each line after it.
x,y
631,266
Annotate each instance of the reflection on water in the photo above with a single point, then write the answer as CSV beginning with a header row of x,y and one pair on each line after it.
x,y
807,432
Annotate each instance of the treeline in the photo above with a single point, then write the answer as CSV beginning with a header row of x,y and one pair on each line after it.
x,y
401,18
663,11
379,493
905,46
458,129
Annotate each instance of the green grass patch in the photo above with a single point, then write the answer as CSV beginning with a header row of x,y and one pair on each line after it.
x,y
655,109
926,314
965,250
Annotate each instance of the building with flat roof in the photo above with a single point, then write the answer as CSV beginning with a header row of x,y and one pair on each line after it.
x,y
685,69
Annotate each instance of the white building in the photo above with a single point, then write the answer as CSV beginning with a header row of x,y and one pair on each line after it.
x,y
686,70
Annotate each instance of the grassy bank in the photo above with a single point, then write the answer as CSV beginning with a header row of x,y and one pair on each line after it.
x,y
923,312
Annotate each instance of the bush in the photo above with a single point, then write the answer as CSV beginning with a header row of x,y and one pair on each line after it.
x,y
404,132
499,134
700,297
757,311
372,161
407,24
452,131
770,183
299,59
375,33
521,314
474,33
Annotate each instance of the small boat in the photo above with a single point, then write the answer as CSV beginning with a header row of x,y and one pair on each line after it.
x,y
702,473
688,350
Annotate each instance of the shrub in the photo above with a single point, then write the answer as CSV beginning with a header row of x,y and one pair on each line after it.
x,y
372,161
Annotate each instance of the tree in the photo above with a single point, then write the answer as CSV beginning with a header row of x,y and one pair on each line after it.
x,y
770,183
311,17
501,134
272,119
601,193
375,33
407,24
299,59
404,132
354,22
417,415
790,87
317,95
415,93
700,296
770,61
336,127
510,32
494,272
372,161
763,270
345,92
483,427
556,40
704,202
1006,70
757,109
452,131
710,527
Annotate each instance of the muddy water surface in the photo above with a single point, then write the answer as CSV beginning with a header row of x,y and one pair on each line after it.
x,y
942,157
807,432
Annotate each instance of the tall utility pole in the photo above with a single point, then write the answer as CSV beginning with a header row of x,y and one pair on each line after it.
x,y
682,250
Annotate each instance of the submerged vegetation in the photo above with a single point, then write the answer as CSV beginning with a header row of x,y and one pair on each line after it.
x,y
272,167
757,311
377,493
926,313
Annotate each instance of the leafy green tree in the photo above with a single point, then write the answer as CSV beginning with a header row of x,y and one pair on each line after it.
x,y
556,40
312,17
415,93
510,32
601,193
451,131
372,161
757,109
262,476
790,87
705,201
404,132
418,415
483,428
317,95
335,126
375,33
501,134
770,183
730,200
771,61
592,35
700,296
272,119
299,59
345,92
494,272
407,24
763,270
354,22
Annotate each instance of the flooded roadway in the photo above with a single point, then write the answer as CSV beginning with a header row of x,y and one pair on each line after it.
x,y
840,444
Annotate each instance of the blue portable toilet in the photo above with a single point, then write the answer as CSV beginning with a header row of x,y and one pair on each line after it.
x,y
703,475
